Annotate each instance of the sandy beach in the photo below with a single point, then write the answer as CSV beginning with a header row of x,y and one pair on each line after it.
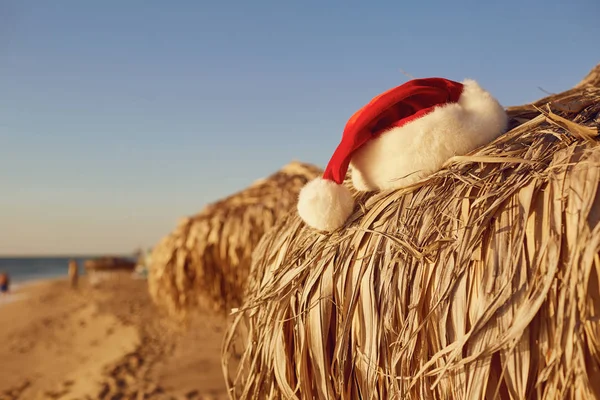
x,y
104,342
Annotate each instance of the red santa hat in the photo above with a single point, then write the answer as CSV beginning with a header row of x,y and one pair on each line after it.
x,y
399,137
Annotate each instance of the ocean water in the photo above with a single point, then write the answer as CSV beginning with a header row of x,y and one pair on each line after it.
x,y
27,269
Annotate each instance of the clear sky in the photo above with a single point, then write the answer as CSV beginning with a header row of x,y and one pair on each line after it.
x,y
118,117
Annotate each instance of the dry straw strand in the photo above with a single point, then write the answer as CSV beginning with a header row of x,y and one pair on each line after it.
x,y
206,259
480,282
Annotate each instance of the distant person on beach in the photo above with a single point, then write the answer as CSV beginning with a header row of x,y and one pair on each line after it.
x,y
73,273
4,282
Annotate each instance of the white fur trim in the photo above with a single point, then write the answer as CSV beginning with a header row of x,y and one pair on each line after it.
x,y
404,155
325,205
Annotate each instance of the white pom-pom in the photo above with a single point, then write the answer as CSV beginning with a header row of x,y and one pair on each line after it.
x,y
325,205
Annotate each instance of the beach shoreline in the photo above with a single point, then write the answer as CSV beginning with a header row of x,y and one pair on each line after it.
x,y
103,341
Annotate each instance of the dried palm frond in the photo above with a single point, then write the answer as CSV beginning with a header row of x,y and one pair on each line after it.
x,y
591,79
482,281
206,259
573,101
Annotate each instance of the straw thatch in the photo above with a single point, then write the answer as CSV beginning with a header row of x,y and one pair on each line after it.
x,y
591,79
570,102
206,259
482,281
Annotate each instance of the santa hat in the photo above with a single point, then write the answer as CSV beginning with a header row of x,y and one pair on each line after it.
x,y
399,137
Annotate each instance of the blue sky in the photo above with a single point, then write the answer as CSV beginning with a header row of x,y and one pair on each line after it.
x,y
119,117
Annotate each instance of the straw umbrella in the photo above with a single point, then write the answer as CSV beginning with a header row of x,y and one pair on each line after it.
x,y
108,264
206,259
481,281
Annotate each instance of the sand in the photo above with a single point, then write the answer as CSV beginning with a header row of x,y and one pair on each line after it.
x,y
104,342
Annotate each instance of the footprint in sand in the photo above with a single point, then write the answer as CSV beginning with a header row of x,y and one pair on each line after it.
x,y
15,392
192,395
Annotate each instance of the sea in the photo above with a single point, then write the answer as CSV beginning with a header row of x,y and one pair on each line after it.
x,y
23,271
27,269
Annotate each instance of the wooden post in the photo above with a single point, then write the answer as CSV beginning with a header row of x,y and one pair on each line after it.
x,y
73,273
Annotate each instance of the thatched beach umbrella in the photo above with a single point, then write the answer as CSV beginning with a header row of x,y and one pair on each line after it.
x,y
206,259
482,281
109,264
